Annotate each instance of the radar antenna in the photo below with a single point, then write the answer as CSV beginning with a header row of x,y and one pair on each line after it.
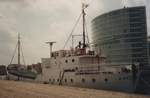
x,y
51,46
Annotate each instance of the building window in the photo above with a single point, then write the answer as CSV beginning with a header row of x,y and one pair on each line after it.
x,y
49,80
127,78
83,80
124,78
119,78
125,30
93,80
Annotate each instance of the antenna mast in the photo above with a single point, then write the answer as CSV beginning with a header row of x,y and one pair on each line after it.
x,y
18,48
51,46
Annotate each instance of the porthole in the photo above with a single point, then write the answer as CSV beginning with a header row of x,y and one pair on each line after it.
x,y
66,61
93,80
83,80
71,80
76,68
73,60
66,80
106,80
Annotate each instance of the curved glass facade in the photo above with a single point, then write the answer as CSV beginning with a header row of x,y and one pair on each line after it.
x,y
121,35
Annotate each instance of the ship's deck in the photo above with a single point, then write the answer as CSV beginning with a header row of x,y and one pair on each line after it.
x,y
13,89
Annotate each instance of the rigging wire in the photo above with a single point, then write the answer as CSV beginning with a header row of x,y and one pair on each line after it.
x,y
89,3
22,55
82,1
72,30
14,53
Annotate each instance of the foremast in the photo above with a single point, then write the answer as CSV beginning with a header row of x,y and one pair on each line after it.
x,y
18,48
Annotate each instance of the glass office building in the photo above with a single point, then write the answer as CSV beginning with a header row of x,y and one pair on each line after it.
x,y
121,35
149,46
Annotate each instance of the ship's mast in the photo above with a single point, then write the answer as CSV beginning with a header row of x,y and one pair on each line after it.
x,y
20,52
84,6
82,15
18,48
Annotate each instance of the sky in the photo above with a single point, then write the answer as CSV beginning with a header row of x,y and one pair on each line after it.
x,y
39,21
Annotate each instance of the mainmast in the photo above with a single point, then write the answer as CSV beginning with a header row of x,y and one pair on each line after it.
x,y
18,48
83,14
20,52
84,6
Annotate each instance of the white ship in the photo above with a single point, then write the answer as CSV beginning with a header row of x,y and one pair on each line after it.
x,y
81,67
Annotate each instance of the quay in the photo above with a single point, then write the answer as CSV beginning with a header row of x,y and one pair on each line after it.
x,y
18,89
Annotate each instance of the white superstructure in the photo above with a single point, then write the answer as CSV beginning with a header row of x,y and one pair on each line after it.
x,y
78,68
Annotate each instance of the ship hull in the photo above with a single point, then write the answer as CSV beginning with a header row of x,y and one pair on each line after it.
x,y
88,72
117,82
